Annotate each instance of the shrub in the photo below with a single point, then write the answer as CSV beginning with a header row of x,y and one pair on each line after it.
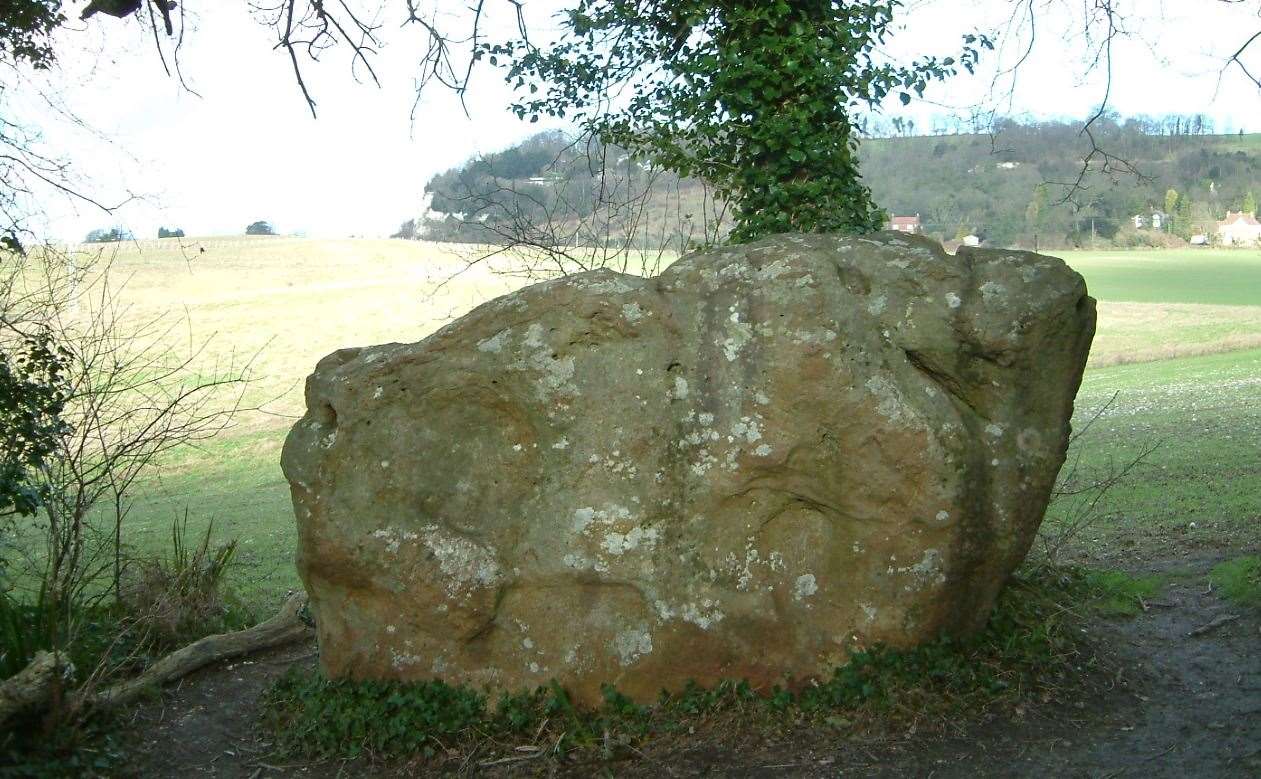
x,y
181,596
260,227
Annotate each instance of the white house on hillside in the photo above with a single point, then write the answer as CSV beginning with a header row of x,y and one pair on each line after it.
x,y
905,224
1239,229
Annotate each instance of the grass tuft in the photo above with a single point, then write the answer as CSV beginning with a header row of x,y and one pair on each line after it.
x,y
1118,594
1239,580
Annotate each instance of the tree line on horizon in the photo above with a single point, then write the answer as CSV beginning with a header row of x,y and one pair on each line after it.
x,y
116,234
1022,183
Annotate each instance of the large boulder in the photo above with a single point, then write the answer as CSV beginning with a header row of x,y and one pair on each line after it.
x,y
746,467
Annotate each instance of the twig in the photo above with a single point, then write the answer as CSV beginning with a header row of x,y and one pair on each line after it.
x,y
503,760
1214,625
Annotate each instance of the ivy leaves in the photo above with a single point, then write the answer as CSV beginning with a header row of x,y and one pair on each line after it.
x,y
755,97
33,393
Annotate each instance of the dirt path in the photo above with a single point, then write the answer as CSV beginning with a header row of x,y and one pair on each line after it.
x,y
1178,706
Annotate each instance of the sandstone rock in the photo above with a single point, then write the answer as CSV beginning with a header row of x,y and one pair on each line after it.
x,y
746,467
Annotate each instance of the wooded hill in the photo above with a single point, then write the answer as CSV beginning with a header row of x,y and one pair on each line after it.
x,y
1022,183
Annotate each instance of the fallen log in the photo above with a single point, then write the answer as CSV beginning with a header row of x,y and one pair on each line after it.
x,y
32,686
283,628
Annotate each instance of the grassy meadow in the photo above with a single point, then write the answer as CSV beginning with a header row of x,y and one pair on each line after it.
x,y
1179,340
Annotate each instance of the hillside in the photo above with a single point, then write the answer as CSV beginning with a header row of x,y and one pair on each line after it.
x,y
1019,186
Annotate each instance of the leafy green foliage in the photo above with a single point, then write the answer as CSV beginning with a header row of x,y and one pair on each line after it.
x,y
1029,639
753,97
1239,580
93,748
25,27
33,394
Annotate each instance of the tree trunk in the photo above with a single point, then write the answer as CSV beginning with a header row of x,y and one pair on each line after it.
x,y
283,628
31,687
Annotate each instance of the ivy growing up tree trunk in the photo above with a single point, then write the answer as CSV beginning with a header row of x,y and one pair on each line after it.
x,y
754,97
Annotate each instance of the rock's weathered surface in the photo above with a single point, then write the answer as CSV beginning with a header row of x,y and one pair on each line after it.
x,y
745,467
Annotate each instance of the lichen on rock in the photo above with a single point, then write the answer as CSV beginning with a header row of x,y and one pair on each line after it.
x,y
747,466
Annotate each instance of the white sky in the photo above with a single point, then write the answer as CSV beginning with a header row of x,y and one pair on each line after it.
x,y
248,149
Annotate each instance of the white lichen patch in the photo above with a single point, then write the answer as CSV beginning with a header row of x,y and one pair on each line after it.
x,y
495,343
556,373
994,430
746,429
466,564
813,337
620,543
805,586
703,462
400,660
953,300
927,572
632,312
703,615
631,644
889,401
943,516
378,392
1029,440
561,444
992,292
679,392
582,518
761,398
877,305
772,270
739,334
869,611
763,450
393,537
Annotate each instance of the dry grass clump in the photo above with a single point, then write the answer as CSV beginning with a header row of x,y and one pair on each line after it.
x,y
183,594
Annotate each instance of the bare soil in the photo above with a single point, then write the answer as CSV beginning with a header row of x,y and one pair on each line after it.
x,y
1170,704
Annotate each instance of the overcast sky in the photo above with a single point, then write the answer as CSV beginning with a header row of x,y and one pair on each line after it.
x,y
246,148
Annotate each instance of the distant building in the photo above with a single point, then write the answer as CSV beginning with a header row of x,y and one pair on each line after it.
x,y
1157,220
1199,239
1007,165
905,224
1239,229
971,240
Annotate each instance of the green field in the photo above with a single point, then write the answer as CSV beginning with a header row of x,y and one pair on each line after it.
x,y
292,301
1221,277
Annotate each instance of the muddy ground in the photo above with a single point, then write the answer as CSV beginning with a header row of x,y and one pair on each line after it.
x,y
1170,704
